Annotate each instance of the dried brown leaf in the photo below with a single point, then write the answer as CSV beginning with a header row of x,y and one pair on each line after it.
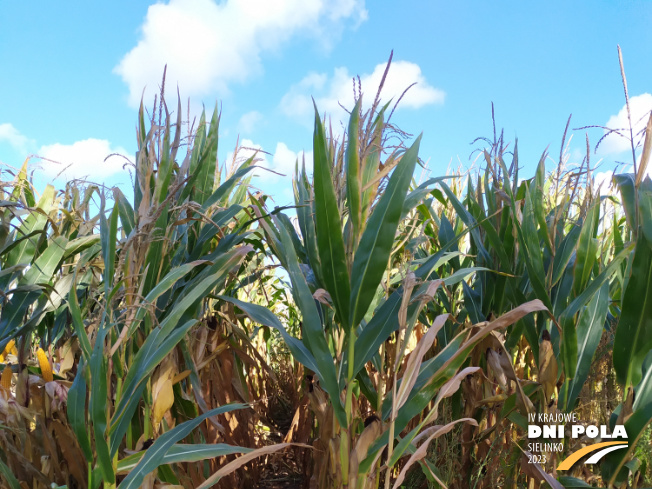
x,y
422,451
414,362
243,459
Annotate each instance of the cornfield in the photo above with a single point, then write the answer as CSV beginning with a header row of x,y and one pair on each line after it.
x,y
383,332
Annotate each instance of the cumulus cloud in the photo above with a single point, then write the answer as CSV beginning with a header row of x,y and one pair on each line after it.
x,y
640,106
208,45
329,93
285,159
604,181
249,121
281,162
12,136
83,159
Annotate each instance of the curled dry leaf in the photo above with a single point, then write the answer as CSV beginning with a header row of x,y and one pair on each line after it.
x,y
58,393
627,409
422,451
447,390
547,366
162,392
409,283
67,355
414,362
535,471
507,319
369,435
523,402
324,297
496,369
243,459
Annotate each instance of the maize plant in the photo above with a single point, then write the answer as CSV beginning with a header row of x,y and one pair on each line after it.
x,y
361,296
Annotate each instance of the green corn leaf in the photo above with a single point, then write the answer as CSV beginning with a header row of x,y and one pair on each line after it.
x,y
587,250
538,201
41,271
496,243
210,231
77,411
645,207
385,319
157,452
164,168
572,482
35,222
567,318
528,238
589,331
313,332
328,226
264,316
633,338
564,253
305,211
127,214
370,165
9,476
473,304
164,338
467,219
627,189
49,302
183,453
644,388
353,178
98,408
154,350
377,240
162,287
108,234
80,244
221,194
205,182
416,196
635,427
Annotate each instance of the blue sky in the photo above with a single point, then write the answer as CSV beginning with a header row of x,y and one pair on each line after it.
x,y
72,77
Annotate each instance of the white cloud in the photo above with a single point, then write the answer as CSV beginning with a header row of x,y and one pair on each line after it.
x,y
330,93
281,162
640,106
249,121
208,45
15,138
604,181
83,159
285,159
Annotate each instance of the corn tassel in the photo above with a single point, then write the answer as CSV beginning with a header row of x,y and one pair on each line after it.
x,y
46,368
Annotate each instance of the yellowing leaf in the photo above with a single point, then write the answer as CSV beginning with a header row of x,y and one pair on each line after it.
x,y
162,393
